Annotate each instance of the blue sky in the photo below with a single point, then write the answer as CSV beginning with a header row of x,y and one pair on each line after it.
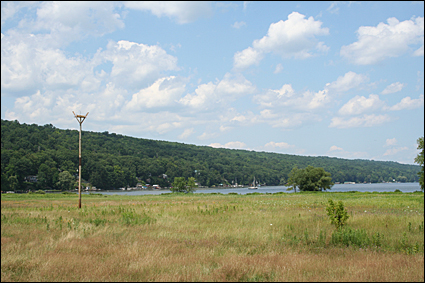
x,y
341,79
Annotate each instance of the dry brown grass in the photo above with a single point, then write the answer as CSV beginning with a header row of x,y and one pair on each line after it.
x,y
237,243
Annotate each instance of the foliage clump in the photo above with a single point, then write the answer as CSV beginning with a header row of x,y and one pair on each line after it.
x,y
337,213
309,179
420,160
180,185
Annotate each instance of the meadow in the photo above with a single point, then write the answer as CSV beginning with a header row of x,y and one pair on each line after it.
x,y
211,237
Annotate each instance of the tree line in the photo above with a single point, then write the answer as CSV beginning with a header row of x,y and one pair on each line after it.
x,y
111,161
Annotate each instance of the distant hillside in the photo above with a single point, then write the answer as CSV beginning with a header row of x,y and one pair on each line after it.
x,y
111,160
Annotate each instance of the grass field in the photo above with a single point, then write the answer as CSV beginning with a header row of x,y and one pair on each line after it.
x,y
211,237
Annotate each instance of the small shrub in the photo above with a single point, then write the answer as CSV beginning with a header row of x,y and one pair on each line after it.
x,y
337,213
349,237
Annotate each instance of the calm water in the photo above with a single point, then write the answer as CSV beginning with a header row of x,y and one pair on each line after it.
x,y
390,187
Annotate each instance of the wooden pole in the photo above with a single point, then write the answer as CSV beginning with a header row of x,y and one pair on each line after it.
x,y
80,119
79,169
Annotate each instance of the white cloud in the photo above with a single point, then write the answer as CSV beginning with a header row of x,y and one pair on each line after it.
x,y
27,66
287,120
295,37
209,96
391,142
238,25
395,150
247,57
9,8
336,151
385,40
334,147
207,136
67,21
182,11
287,97
186,133
279,68
363,121
333,8
394,87
360,104
164,92
136,64
273,145
408,103
157,123
232,145
348,81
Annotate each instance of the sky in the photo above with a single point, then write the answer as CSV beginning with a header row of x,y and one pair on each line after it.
x,y
339,79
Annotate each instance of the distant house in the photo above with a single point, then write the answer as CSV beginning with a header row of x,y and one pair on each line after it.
x,y
31,178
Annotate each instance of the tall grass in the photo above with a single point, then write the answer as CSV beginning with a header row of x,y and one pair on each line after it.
x,y
204,237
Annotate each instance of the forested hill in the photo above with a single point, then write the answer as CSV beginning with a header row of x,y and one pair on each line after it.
x,y
111,160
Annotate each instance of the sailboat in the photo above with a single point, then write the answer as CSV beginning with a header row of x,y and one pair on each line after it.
x,y
253,187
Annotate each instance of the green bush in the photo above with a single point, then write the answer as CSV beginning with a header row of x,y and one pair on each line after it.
x,y
337,213
349,237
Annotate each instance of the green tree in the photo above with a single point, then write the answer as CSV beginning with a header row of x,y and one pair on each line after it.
x,y
310,179
66,181
183,186
292,181
420,160
13,182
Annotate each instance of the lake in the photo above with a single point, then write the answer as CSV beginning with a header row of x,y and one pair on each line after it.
x,y
380,187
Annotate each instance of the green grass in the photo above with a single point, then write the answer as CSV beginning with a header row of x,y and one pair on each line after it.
x,y
212,237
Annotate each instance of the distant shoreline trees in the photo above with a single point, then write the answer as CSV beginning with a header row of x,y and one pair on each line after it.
x,y
420,160
112,161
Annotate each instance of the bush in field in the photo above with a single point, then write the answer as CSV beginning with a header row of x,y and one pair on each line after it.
x,y
337,213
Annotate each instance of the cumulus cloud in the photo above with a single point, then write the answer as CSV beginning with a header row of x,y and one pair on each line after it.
x,y
135,64
247,57
210,95
408,103
385,40
286,96
67,21
363,121
391,142
182,11
293,38
27,66
394,87
164,92
348,81
360,104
